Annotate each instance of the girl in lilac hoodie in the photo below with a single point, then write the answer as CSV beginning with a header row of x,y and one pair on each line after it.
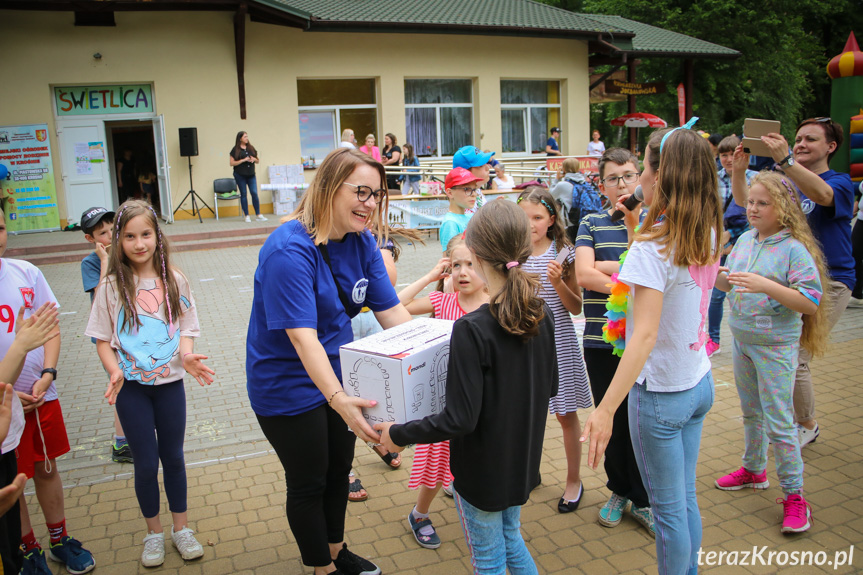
x,y
775,276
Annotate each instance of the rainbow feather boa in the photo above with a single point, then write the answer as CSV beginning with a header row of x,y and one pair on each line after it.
x,y
614,330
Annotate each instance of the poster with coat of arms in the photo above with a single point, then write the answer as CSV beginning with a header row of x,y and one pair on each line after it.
x,y
28,194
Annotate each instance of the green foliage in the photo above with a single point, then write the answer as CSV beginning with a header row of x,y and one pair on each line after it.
x,y
785,47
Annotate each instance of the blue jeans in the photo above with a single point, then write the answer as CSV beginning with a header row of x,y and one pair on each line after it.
x,y
714,312
494,539
250,182
666,433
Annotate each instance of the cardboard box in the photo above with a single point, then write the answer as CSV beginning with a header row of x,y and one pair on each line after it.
x,y
283,208
402,368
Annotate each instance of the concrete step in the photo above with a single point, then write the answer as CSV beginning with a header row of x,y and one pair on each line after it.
x,y
205,240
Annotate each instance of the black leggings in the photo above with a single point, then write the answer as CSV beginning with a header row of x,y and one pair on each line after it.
x,y
10,523
154,420
621,468
857,252
316,449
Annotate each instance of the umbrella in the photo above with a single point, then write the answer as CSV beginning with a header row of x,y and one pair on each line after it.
x,y
639,120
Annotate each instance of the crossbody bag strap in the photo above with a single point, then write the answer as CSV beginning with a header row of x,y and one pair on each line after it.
x,y
342,296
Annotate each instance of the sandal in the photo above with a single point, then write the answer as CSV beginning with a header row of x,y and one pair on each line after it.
x,y
393,460
356,491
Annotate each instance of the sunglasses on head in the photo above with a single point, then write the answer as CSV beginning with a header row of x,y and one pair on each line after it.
x,y
828,124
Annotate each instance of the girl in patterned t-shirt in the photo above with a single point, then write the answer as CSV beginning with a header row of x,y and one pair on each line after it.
x,y
776,277
561,292
430,467
145,323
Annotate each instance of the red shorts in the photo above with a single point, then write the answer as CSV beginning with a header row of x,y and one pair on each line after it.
x,y
31,450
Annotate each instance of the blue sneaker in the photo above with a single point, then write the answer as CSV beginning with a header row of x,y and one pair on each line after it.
x,y
424,531
34,563
70,552
644,515
612,512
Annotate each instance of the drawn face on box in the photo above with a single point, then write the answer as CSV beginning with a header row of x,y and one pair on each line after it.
x,y
439,373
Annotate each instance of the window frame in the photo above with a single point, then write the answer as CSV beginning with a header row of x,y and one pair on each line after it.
x,y
437,107
526,115
336,112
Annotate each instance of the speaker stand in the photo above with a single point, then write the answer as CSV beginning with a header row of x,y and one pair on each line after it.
x,y
195,199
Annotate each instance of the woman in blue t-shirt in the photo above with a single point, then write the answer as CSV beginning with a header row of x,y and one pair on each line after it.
x,y
316,271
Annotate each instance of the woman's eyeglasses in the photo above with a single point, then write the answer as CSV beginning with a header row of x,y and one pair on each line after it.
x,y
628,178
365,192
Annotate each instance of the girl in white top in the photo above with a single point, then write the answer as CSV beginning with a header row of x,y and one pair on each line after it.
x,y
670,271
501,181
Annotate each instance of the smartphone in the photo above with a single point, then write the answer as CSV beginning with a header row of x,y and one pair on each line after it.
x,y
564,253
753,130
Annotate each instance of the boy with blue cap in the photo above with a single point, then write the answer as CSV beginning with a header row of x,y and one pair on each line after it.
x,y
476,162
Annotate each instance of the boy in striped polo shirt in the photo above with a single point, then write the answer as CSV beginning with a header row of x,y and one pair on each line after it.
x,y
597,252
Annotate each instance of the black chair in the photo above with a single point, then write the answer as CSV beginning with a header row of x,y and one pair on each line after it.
x,y
224,189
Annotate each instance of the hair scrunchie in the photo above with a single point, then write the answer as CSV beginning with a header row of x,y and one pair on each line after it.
x,y
511,265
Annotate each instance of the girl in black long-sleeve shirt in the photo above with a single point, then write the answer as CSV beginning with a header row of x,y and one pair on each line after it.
x,y
502,371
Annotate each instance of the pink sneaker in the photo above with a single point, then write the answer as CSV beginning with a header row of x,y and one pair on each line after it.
x,y
711,347
742,479
796,514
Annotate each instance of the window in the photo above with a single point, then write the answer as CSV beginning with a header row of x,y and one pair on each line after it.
x,y
528,109
327,107
438,116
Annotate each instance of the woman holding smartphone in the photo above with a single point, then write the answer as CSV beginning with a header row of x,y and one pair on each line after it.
x,y
244,156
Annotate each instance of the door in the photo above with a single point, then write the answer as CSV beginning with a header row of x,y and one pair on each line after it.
x,y
163,170
87,183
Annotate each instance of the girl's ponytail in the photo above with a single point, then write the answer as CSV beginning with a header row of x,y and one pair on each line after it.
x,y
499,235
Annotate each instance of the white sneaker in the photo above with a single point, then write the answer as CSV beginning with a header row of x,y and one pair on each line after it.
x,y
855,302
261,218
185,542
248,220
448,490
154,550
807,436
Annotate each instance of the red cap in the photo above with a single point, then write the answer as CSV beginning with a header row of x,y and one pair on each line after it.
x,y
459,177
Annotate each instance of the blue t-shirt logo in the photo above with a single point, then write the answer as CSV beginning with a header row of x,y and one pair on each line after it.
x,y
807,206
359,292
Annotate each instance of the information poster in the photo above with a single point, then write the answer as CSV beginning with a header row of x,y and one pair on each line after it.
x,y
82,159
97,152
27,191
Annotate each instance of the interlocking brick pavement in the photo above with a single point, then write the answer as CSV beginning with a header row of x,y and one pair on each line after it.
x,y
236,485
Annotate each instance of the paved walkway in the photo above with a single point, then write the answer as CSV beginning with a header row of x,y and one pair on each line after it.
x,y
236,486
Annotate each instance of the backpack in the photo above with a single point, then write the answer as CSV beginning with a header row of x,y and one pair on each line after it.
x,y
585,201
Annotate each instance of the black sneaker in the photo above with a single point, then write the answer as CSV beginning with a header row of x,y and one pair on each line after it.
x,y
121,454
351,564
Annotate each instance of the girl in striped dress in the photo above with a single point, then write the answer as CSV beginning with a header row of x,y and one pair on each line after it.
x,y
430,468
561,292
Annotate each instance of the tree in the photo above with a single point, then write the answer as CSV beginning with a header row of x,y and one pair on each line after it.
x,y
785,47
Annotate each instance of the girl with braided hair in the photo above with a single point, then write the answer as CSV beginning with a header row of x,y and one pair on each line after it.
x,y
144,320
